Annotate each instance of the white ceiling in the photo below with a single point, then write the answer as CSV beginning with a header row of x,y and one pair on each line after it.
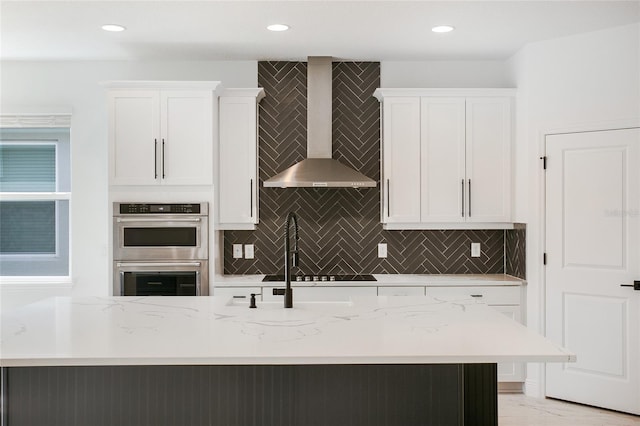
x,y
235,30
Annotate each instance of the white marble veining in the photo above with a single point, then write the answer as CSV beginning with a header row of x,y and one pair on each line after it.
x,y
212,330
381,280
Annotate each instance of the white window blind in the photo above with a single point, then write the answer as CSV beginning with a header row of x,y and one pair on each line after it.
x,y
34,202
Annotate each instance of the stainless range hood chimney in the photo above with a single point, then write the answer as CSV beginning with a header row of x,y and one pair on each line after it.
x,y
319,169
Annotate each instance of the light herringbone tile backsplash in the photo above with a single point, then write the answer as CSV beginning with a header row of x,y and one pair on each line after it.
x,y
340,228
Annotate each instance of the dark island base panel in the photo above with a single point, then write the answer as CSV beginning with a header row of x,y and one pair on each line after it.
x,y
287,395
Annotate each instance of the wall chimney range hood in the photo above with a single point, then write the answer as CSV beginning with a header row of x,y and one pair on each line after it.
x,y
319,169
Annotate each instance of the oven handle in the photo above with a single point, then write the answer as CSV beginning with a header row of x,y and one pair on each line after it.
x,y
181,219
142,264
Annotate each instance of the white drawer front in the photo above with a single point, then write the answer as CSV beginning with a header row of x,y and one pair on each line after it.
x,y
321,294
507,295
400,291
237,292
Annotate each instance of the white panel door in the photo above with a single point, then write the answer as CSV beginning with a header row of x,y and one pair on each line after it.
x,y
401,160
488,155
442,151
593,246
134,135
238,160
186,152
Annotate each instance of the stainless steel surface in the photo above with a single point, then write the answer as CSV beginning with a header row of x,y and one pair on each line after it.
x,y
319,100
319,169
319,173
157,264
201,268
160,219
161,238
198,222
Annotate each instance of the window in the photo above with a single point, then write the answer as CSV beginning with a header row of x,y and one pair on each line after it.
x,y
35,191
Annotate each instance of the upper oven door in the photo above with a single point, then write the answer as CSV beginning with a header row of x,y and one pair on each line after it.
x,y
167,237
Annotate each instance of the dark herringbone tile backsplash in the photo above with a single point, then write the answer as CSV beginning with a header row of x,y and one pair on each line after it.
x,y
515,250
340,228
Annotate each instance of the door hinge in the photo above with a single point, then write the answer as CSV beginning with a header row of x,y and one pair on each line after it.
x,y
544,258
544,162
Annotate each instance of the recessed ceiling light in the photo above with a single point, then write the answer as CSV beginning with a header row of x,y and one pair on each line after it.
x,y
278,27
113,27
442,29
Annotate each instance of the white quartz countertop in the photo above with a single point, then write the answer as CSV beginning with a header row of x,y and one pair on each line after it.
x,y
381,280
208,330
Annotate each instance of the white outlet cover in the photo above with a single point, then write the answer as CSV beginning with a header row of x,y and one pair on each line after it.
x,y
248,251
475,249
237,251
382,250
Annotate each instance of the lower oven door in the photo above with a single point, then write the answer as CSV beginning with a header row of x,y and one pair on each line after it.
x,y
161,278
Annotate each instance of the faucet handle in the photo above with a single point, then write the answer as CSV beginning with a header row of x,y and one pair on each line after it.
x,y
294,258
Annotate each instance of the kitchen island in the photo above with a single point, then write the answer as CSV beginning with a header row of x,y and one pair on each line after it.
x,y
209,360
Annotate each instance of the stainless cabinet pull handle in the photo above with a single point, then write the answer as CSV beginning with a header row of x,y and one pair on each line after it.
x,y
388,199
251,198
155,158
475,295
462,185
142,221
163,158
155,264
469,197
239,297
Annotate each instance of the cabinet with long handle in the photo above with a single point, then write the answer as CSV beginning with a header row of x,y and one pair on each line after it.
x,y
161,133
238,193
446,158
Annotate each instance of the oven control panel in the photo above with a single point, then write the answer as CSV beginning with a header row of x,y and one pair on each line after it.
x,y
137,208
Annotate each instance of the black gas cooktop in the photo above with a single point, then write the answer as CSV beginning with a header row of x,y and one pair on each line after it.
x,y
321,278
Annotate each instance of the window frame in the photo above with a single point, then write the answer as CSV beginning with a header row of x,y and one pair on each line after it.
x,y
36,135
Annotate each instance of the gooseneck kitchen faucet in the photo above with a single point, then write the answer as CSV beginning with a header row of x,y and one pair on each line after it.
x,y
290,256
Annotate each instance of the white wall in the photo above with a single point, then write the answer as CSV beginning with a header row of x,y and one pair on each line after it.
x,y
444,74
579,82
29,85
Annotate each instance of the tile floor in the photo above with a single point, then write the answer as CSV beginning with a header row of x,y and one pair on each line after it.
x,y
519,410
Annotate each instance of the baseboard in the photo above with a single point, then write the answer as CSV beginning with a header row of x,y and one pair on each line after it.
x,y
510,387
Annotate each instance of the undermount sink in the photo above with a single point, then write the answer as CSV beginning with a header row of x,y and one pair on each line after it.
x,y
307,305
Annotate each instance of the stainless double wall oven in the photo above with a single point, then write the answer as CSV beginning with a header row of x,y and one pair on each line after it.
x,y
160,249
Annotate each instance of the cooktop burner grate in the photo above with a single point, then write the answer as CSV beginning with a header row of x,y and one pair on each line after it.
x,y
321,278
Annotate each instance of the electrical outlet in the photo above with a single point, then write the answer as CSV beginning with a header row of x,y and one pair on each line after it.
x,y
237,251
475,249
382,250
248,251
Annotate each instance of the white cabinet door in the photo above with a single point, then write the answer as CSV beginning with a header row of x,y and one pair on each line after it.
x,y
134,136
186,152
401,160
488,159
511,371
238,161
442,159
400,291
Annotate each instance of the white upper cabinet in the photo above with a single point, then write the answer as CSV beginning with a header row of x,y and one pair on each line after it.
x,y
442,143
161,132
238,158
446,161
488,159
401,159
